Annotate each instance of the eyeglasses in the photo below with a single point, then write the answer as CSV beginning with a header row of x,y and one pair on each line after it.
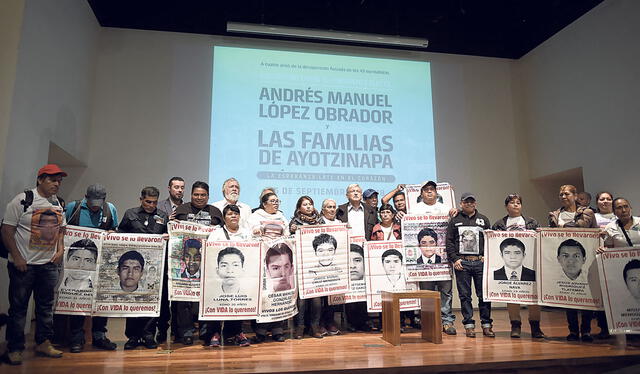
x,y
273,201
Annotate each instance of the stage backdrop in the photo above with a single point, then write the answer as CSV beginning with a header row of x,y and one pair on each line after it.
x,y
309,123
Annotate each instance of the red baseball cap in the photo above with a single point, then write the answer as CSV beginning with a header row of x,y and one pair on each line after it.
x,y
51,169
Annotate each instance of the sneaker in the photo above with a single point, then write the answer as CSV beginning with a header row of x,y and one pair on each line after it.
x,y
587,338
76,348
516,329
602,335
488,332
149,342
242,341
299,332
468,331
132,343
333,330
46,349
449,330
215,341
573,337
187,340
279,338
104,344
14,358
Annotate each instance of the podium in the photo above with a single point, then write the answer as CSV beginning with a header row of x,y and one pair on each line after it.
x,y
429,315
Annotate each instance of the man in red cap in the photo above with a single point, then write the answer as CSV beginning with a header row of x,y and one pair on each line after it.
x,y
32,231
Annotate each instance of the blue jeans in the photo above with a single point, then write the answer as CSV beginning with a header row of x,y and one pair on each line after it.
x,y
446,298
472,271
312,308
40,280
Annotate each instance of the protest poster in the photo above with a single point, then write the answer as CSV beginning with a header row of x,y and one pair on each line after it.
x,y
130,276
445,199
357,287
423,237
469,240
509,273
186,243
230,287
619,270
385,271
82,247
323,260
567,272
279,292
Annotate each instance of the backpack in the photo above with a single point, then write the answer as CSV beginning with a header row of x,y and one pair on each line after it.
x,y
107,218
26,203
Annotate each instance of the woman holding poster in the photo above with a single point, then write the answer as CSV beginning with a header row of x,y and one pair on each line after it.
x,y
267,212
387,229
572,215
306,214
515,221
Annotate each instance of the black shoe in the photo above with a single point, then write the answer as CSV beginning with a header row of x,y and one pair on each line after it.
x,y
279,338
104,344
76,348
602,335
573,337
132,343
161,337
259,338
149,342
587,338
187,340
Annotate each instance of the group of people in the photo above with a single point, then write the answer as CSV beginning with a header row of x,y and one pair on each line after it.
x,y
34,223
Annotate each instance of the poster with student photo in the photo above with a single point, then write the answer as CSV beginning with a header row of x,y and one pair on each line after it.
x,y
186,244
74,294
567,274
130,276
469,240
446,196
385,271
45,228
424,236
279,290
509,273
323,260
357,287
230,287
619,270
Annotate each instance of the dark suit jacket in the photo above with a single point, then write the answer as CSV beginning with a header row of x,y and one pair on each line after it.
x,y
370,217
438,260
527,275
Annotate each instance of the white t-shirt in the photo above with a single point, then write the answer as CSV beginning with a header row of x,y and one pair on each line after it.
x,y
245,210
604,219
564,217
37,229
615,236
241,234
438,208
387,232
516,224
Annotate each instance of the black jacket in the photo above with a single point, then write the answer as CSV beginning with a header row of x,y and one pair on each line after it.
x,y
370,217
453,240
137,221
438,260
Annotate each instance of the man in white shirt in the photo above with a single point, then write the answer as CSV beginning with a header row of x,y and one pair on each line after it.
x,y
429,203
360,217
231,193
32,231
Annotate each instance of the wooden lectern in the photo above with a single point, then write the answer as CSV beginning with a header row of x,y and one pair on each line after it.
x,y
429,315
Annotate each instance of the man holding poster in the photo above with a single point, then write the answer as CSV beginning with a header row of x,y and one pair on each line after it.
x,y
465,250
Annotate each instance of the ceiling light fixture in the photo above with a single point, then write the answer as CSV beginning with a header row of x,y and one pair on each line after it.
x,y
328,35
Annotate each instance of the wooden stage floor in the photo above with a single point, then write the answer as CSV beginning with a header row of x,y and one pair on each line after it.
x,y
364,353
